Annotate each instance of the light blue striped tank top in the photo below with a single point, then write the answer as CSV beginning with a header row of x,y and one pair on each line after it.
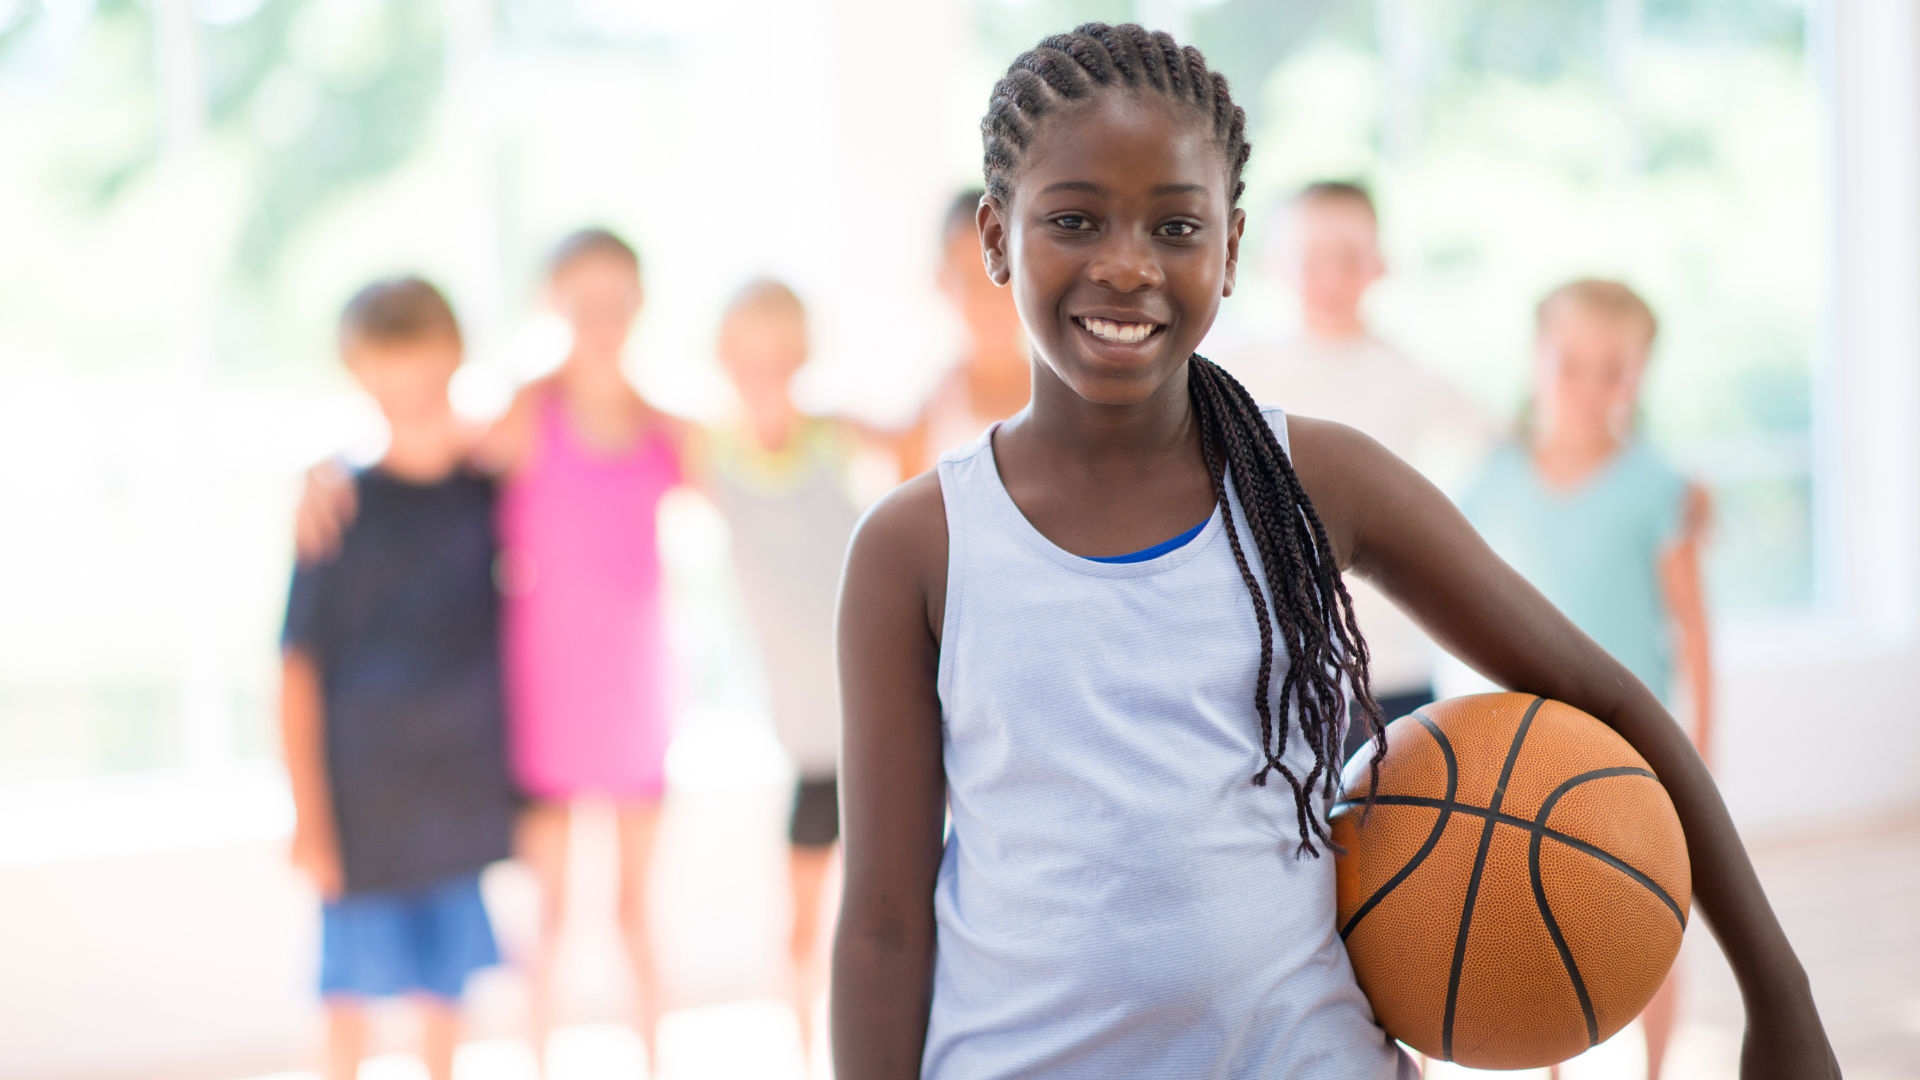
x,y
1116,898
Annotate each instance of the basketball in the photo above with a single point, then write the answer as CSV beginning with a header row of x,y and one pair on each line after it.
x,y
1518,891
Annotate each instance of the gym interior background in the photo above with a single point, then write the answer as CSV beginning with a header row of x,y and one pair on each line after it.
x,y
190,188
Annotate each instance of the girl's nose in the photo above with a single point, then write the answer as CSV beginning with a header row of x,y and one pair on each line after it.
x,y
1125,262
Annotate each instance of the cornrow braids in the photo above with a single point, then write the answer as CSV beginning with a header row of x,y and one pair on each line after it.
x,y
1326,657
1073,67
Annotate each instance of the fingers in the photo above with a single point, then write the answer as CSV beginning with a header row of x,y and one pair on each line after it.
x,y
328,504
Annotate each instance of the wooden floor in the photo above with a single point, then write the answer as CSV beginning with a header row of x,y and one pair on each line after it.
x,y
1851,906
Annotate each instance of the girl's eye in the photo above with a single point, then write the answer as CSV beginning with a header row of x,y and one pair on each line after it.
x,y
1073,222
1179,228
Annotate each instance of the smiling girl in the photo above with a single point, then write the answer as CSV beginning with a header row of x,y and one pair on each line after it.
x,y
1111,637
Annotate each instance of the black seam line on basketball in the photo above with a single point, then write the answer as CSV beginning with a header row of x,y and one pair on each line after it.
x,y
1433,838
1573,842
1546,808
1546,909
1560,941
1473,881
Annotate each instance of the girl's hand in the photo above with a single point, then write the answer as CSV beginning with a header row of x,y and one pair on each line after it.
x,y
315,853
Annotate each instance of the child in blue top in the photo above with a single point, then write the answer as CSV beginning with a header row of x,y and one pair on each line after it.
x,y
1138,756
1597,520
390,697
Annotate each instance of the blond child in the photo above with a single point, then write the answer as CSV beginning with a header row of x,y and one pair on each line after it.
x,y
780,478
391,699
1598,520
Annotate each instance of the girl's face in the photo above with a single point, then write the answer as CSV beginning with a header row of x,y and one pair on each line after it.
x,y
1120,242
599,296
1587,374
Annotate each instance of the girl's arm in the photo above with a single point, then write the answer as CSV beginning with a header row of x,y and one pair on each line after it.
x,y
1391,526
329,501
1680,582
328,504
892,784
316,848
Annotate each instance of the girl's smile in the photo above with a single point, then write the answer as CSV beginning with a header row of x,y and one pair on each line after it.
x,y
1117,331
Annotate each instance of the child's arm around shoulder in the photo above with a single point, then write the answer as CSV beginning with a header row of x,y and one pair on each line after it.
x,y
892,783
1391,526
328,504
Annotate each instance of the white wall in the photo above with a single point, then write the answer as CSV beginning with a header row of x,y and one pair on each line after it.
x,y
1791,693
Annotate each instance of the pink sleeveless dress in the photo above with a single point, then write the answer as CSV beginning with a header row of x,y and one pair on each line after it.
x,y
586,668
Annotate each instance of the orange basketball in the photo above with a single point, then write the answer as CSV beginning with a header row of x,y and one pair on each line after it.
x,y
1518,892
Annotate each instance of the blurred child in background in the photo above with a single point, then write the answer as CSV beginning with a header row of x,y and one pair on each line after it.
x,y
992,380
585,461
1600,522
1328,249
391,696
781,479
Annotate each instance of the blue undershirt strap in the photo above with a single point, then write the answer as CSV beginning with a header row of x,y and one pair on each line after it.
x,y
1155,551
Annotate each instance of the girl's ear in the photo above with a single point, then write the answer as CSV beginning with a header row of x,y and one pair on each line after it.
x,y
993,240
1236,228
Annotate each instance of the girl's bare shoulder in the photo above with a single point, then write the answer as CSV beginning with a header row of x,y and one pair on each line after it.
x,y
1357,486
1330,456
677,429
897,569
507,443
907,526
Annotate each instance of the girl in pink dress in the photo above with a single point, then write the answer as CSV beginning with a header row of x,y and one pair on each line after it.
x,y
583,634
586,460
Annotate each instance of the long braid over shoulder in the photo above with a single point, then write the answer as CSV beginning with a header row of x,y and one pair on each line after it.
x,y
1311,610
1303,611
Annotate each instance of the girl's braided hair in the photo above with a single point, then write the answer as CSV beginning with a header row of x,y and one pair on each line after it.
x,y
1304,597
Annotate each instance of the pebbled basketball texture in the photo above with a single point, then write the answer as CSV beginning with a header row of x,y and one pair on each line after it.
x,y
1519,890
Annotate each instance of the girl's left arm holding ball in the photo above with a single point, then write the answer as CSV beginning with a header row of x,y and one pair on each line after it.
x,y
1389,525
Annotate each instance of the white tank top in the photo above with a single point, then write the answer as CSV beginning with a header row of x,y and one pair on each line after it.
x,y
1117,899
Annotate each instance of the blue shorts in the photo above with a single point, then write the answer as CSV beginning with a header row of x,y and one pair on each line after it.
x,y
425,940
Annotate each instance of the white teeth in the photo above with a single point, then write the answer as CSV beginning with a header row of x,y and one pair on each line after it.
x,y
1121,333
